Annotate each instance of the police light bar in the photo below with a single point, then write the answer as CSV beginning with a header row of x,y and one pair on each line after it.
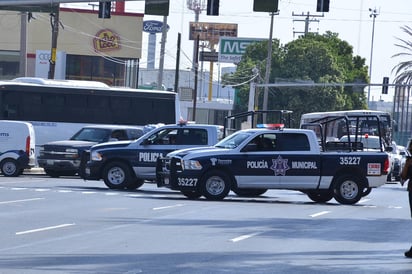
x,y
271,126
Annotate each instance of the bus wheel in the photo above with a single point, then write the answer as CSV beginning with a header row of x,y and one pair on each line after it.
x,y
135,185
117,175
9,168
348,190
215,185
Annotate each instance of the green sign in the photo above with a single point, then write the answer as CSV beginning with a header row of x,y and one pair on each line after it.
x,y
231,49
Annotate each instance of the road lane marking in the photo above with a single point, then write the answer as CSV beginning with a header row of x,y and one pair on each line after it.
x,y
167,207
319,214
20,201
43,229
42,189
244,237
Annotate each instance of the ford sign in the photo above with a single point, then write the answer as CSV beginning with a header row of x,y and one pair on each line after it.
x,y
153,26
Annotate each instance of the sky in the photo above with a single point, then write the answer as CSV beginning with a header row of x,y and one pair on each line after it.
x,y
351,19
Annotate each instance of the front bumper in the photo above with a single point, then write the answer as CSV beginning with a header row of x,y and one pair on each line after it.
x,y
59,165
93,171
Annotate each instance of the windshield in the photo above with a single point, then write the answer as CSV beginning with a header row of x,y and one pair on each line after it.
x,y
98,135
234,140
372,142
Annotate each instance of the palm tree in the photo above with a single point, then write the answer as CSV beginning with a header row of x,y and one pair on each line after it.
x,y
403,70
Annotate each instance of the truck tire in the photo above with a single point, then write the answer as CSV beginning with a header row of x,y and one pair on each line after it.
x,y
215,185
249,192
320,196
135,185
192,195
117,175
10,168
366,191
348,189
52,173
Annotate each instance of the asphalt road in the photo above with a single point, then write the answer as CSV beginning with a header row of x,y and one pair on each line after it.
x,y
67,225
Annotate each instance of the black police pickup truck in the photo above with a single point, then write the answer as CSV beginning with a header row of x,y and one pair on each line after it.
x,y
249,162
126,164
64,158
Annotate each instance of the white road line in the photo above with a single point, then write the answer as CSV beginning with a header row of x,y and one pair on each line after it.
x,y
42,189
319,214
20,201
64,191
111,194
18,188
244,237
43,229
88,192
167,207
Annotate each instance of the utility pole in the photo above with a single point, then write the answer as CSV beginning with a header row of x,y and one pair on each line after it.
x,y
308,19
196,6
54,20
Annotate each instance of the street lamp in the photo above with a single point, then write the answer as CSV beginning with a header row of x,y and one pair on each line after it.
x,y
373,14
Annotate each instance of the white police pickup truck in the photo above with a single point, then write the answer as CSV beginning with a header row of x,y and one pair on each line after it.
x,y
126,164
249,162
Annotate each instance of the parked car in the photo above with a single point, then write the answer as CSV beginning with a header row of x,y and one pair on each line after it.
x,y
399,154
64,158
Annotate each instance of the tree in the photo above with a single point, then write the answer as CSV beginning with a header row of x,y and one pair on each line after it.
x,y
312,58
403,70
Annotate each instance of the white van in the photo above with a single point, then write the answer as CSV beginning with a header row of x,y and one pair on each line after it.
x,y
17,147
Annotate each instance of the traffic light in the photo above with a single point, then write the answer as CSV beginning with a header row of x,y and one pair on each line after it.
x,y
265,5
104,9
385,85
156,7
322,6
212,7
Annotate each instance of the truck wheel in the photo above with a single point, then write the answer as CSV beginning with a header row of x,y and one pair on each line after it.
x,y
192,195
348,190
135,185
215,185
117,175
52,173
366,191
249,192
9,168
320,196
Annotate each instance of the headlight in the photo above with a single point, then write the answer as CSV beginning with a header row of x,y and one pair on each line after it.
x,y
95,156
71,153
191,164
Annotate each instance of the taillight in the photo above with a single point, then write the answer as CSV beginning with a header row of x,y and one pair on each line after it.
x,y
28,145
386,166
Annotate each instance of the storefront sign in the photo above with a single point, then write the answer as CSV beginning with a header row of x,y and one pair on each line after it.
x,y
106,40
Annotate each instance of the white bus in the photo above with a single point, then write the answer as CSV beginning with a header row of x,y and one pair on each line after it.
x,y
59,108
371,122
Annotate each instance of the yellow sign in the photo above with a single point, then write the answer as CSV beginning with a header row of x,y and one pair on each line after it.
x,y
106,40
